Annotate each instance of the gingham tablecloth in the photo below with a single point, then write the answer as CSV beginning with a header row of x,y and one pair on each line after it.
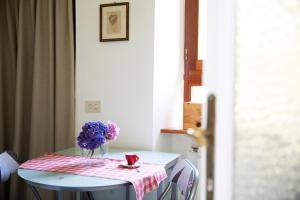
x,y
145,179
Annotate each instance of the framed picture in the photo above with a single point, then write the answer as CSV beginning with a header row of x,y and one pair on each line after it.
x,y
114,22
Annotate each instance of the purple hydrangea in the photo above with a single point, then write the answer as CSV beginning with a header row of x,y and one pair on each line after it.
x,y
95,134
92,135
113,131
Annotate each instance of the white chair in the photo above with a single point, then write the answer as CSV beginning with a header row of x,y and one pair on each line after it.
x,y
8,165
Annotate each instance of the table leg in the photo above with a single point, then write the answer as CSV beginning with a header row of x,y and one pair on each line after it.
x,y
59,195
128,192
35,192
159,189
78,196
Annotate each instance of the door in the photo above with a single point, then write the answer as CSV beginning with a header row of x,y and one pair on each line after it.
x,y
219,77
267,100
252,67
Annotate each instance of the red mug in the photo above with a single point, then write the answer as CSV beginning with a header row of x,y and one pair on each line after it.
x,y
131,158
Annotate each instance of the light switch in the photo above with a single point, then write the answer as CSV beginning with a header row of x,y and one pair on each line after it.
x,y
92,106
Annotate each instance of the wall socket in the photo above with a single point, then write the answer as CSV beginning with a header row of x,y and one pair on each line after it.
x,y
92,106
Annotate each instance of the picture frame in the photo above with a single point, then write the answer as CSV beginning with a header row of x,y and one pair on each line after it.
x,y
114,22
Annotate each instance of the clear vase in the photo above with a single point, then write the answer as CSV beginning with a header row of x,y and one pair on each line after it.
x,y
93,154
100,152
103,150
88,153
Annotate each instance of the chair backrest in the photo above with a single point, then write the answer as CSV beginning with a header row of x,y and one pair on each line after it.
x,y
8,165
186,176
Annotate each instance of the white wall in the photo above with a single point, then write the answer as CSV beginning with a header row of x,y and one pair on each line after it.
x,y
168,70
119,74
139,82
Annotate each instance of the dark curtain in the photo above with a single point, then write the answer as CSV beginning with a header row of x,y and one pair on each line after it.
x,y
36,82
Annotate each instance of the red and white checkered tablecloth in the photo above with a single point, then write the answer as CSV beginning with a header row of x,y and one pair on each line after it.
x,y
145,179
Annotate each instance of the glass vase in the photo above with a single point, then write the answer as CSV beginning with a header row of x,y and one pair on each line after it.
x,y
93,154
103,150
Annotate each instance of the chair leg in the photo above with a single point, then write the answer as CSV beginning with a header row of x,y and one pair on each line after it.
x,y
35,192
174,192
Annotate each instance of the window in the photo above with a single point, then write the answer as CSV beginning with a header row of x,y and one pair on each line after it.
x,y
192,66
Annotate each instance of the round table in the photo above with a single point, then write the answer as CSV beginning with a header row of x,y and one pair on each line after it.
x,y
61,182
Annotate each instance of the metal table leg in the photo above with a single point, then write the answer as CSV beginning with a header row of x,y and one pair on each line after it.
x,y
159,189
78,196
59,195
128,192
35,192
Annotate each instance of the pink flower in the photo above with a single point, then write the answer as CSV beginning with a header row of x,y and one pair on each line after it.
x,y
113,130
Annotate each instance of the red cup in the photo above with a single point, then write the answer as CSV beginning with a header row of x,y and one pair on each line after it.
x,y
131,158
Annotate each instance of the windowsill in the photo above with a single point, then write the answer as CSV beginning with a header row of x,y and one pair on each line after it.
x,y
173,131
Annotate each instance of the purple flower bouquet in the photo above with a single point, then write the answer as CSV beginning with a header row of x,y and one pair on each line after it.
x,y
95,134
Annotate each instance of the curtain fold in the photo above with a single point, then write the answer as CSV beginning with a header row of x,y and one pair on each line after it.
x,y
36,81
